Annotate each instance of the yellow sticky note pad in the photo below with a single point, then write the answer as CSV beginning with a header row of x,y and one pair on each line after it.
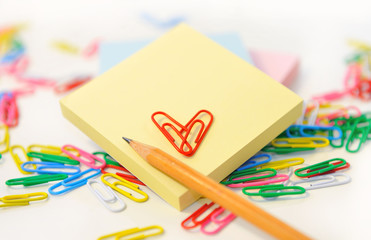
x,y
181,73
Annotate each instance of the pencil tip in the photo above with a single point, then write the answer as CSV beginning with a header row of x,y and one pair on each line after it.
x,y
128,140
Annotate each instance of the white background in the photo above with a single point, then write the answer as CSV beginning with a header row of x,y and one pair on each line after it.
x,y
316,31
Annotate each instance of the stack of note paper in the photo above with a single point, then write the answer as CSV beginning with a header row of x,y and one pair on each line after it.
x,y
181,73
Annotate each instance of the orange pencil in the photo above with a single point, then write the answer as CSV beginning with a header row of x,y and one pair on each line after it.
x,y
215,191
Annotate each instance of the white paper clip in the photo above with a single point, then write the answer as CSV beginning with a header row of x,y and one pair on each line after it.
x,y
110,199
328,180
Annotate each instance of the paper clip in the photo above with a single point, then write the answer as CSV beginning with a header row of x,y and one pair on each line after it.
x,y
44,149
319,168
35,180
253,163
49,168
193,218
304,131
125,183
65,47
137,231
247,175
220,223
4,141
112,198
270,191
18,160
184,133
310,142
284,150
359,131
328,180
109,160
8,110
22,199
71,181
72,84
92,49
276,179
68,186
90,158
53,158
129,177
284,163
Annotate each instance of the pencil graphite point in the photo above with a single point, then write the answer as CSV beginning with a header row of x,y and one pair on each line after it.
x,y
128,140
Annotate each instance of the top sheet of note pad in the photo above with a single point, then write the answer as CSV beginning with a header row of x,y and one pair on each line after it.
x,y
181,73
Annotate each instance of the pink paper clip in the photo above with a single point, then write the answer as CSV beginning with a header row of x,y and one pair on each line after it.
x,y
35,81
9,110
275,179
86,158
91,49
220,223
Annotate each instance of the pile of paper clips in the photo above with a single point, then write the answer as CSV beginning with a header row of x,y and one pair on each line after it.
x,y
263,179
357,80
15,62
53,163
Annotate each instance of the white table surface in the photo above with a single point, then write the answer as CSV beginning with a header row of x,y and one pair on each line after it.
x,y
316,31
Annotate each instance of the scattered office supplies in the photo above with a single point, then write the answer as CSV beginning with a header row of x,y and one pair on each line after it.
x,y
192,72
194,130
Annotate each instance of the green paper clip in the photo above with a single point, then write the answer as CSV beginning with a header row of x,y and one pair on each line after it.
x,y
319,168
277,190
53,158
284,150
249,172
35,180
109,160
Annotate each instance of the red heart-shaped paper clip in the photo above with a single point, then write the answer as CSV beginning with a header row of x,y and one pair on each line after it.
x,y
184,133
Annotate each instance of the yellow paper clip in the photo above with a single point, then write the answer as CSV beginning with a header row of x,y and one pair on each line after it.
x,y
22,199
281,164
18,160
44,149
151,229
4,141
305,142
124,183
360,45
66,47
49,149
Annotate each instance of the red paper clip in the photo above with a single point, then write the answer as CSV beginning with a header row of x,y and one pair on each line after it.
x,y
129,177
74,83
193,217
184,133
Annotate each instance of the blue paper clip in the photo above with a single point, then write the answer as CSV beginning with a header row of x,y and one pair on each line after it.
x,y
66,189
253,163
42,169
304,128
295,131
68,182
69,186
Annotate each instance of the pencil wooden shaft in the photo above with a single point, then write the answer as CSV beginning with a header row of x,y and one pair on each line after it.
x,y
216,192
